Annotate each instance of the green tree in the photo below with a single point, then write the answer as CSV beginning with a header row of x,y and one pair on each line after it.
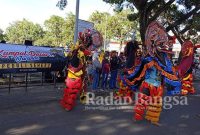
x,y
100,20
54,31
58,31
20,31
68,29
1,35
121,28
181,12
115,26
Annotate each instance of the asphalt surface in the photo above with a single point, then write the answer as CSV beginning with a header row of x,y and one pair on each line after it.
x,y
37,112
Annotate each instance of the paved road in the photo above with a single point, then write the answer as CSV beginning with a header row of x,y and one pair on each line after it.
x,y
38,112
196,74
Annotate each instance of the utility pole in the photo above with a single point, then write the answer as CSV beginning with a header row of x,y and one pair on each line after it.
x,y
76,22
105,32
62,4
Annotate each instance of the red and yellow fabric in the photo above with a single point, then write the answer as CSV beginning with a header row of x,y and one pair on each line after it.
x,y
74,85
124,92
154,91
140,106
72,74
150,106
154,109
187,86
70,93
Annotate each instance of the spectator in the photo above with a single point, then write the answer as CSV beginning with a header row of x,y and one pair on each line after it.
x,y
105,72
89,70
122,60
101,57
114,65
96,71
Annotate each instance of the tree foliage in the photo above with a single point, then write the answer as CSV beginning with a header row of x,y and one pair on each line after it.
x,y
100,20
54,27
115,26
57,31
68,29
20,31
179,16
1,35
121,27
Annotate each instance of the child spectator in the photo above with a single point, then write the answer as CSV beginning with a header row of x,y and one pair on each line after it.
x,y
105,72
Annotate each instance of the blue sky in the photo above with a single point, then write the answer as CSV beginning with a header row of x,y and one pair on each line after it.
x,y
40,10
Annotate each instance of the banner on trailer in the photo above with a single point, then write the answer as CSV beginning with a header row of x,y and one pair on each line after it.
x,y
21,58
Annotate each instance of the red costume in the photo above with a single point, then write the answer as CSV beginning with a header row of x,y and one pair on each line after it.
x,y
185,68
76,75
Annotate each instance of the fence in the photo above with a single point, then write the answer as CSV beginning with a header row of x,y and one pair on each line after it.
x,y
16,80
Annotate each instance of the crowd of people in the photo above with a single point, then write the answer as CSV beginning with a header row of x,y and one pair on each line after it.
x,y
103,68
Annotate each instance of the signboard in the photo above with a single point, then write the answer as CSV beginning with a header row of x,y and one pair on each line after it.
x,y
21,58
82,24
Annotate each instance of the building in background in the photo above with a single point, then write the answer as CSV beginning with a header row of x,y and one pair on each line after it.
x,y
115,46
176,49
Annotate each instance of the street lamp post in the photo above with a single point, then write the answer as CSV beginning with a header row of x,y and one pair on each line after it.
x,y
62,4
76,22
104,47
